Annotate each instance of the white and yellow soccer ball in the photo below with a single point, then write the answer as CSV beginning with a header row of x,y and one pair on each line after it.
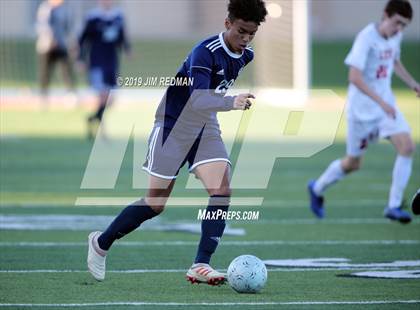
x,y
247,274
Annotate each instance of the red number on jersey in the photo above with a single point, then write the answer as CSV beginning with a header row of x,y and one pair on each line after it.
x,y
382,72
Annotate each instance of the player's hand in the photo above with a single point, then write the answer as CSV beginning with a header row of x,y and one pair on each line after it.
x,y
389,110
416,88
242,102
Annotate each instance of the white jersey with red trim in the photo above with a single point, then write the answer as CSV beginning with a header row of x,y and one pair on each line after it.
x,y
374,55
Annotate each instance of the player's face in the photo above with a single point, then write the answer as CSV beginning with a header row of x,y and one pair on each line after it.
x,y
394,24
106,4
56,2
239,34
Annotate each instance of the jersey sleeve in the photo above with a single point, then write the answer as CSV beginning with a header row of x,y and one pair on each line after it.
x,y
201,96
359,52
125,41
84,38
250,55
201,66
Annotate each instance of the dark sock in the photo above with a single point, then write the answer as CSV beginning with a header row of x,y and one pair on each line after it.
x,y
212,229
100,112
128,220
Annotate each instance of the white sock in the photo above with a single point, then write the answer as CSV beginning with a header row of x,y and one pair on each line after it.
x,y
400,176
332,174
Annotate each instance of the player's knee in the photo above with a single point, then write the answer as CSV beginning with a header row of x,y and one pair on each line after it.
x,y
351,164
157,204
354,166
408,149
219,201
223,191
157,208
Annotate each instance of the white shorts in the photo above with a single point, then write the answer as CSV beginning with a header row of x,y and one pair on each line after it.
x,y
361,134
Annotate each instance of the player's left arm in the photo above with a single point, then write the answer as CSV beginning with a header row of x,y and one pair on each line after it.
x,y
123,39
406,77
85,39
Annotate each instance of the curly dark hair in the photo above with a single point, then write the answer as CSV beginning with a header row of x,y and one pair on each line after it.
x,y
400,7
247,10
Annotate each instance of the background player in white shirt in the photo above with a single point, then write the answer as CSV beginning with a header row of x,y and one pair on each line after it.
x,y
372,112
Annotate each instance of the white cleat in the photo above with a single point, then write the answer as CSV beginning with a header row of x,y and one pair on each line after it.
x,y
96,257
204,273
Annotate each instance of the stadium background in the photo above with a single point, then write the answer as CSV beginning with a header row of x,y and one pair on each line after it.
x,y
168,37
44,153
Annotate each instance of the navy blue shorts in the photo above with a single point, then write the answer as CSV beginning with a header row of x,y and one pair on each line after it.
x,y
164,160
101,79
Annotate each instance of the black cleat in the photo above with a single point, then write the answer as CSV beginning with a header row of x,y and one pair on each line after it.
x,y
415,203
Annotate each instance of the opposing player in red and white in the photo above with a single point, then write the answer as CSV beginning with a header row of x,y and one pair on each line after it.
x,y
372,112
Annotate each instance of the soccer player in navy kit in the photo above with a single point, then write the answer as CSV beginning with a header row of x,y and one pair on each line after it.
x,y
102,37
186,130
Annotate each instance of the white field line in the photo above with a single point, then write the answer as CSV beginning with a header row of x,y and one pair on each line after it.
x,y
200,202
227,243
91,222
278,269
235,201
218,304
172,201
313,221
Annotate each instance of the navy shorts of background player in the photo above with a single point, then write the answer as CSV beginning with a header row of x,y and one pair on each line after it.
x,y
186,127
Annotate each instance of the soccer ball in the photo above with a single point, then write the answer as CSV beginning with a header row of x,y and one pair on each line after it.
x,y
247,274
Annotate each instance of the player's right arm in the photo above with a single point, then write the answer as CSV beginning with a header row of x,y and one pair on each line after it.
x,y
406,77
356,78
202,97
85,38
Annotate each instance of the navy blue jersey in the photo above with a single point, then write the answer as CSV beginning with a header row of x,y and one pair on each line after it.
x,y
212,68
102,36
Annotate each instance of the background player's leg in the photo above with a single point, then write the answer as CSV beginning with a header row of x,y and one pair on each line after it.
x,y
356,144
102,101
216,179
67,71
46,62
402,168
335,172
133,215
105,98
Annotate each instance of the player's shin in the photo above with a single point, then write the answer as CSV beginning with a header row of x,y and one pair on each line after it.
x,y
100,112
128,220
331,175
212,227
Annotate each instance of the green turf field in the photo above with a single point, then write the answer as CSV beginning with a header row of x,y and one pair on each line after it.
x,y
43,156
